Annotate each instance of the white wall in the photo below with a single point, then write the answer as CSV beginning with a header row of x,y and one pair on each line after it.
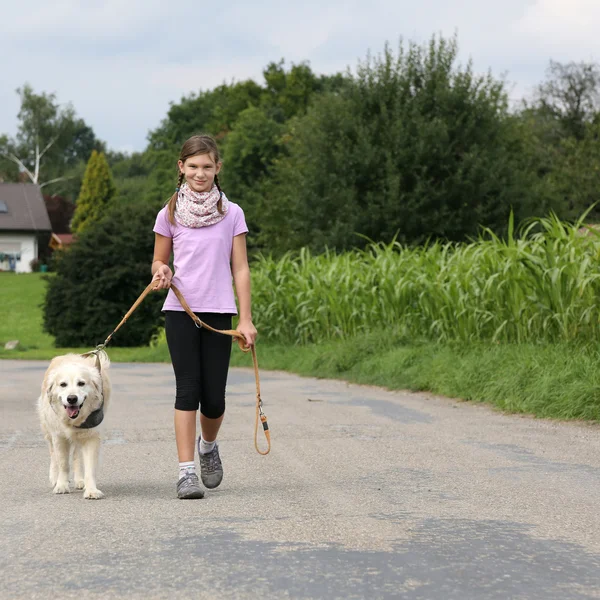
x,y
23,243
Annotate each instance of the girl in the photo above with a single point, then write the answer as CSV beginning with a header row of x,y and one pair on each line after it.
x,y
207,234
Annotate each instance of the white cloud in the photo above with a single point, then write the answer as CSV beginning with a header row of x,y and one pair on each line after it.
x,y
121,63
73,19
567,29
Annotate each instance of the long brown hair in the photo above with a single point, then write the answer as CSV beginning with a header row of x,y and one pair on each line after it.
x,y
197,144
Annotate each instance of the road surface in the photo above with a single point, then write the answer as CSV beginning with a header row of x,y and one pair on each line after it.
x,y
366,494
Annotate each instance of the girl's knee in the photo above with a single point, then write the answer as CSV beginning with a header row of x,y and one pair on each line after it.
x,y
213,411
187,404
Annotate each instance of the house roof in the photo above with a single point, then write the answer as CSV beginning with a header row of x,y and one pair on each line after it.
x,y
60,240
64,238
22,208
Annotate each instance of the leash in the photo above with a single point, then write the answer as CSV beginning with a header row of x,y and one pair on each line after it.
x,y
234,334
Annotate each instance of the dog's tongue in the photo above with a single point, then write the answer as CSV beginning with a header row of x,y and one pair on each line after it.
x,y
72,411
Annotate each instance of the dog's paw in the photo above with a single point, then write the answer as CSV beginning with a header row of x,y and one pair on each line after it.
x,y
61,488
52,480
79,484
93,494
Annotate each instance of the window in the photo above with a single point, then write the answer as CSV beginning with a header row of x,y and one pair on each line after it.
x,y
3,207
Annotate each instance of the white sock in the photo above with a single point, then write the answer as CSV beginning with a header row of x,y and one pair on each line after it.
x,y
206,447
186,467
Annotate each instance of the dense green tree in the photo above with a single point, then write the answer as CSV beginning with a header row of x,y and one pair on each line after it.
x,y
219,112
250,152
416,146
97,191
99,278
212,111
288,93
574,178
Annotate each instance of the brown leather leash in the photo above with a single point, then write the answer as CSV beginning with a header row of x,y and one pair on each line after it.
x,y
235,335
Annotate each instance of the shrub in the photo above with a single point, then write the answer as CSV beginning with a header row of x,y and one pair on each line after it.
x,y
98,279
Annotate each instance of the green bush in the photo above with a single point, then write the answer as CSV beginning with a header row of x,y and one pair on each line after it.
x,y
417,146
99,278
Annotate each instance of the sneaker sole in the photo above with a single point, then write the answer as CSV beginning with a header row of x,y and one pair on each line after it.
x,y
212,487
192,496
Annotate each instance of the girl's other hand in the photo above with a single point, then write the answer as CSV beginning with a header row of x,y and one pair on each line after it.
x,y
162,277
247,329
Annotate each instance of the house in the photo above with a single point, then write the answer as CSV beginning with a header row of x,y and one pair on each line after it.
x,y
24,226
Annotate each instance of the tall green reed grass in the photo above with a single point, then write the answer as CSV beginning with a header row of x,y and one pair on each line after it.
x,y
542,285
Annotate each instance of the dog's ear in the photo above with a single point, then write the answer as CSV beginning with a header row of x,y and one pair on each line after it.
x,y
96,379
50,381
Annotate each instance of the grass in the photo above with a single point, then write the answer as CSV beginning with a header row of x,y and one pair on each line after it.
x,y
559,380
540,286
21,298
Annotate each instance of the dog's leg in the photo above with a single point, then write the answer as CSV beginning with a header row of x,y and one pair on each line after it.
x,y
77,467
90,449
61,451
53,474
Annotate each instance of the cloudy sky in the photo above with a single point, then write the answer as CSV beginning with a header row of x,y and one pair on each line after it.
x,y
121,62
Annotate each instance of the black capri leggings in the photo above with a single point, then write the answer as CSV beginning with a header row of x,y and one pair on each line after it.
x,y
200,361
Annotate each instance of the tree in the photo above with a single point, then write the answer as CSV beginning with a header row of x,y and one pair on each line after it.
x,y
50,140
97,190
250,152
288,93
415,146
210,111
575,175
99,278
570,97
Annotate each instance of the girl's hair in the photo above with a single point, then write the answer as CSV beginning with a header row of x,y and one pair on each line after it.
x,y
197,144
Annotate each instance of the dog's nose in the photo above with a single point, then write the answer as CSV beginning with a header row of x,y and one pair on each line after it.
x,y
72,399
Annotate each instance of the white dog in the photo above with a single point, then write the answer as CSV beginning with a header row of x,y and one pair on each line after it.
x,y
75,395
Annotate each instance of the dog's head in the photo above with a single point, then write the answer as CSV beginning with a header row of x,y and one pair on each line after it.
x,y
71,385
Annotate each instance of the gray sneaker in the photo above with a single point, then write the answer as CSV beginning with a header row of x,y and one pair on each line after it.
x,y
211,469
188,487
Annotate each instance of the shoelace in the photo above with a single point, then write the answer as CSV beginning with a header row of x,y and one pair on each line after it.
x,y
210,460
190,479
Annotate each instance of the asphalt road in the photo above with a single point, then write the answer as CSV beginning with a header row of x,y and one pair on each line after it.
x,y
366,494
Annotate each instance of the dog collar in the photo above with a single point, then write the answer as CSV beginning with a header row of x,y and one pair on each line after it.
x,y
94,418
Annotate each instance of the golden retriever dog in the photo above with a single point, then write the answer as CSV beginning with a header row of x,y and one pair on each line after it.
x,y
75,396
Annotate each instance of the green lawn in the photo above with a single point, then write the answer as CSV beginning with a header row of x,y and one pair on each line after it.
x,y
21,298
552,380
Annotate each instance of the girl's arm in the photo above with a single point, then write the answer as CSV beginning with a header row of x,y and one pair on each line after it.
x,y
161,271
241,279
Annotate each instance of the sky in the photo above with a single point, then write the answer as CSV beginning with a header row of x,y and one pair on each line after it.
x,y
120,63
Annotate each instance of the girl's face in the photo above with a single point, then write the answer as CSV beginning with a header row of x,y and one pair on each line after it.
x,y
200,171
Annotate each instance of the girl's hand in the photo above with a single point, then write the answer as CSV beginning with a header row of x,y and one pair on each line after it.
x,y
162,277
247,329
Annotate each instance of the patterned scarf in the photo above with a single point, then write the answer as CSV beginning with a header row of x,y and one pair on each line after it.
x,y
199,209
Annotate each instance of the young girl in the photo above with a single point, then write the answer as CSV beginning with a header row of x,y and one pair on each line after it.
x,y
206,233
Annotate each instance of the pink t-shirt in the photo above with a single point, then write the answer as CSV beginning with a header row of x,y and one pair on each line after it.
x,y
202,261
